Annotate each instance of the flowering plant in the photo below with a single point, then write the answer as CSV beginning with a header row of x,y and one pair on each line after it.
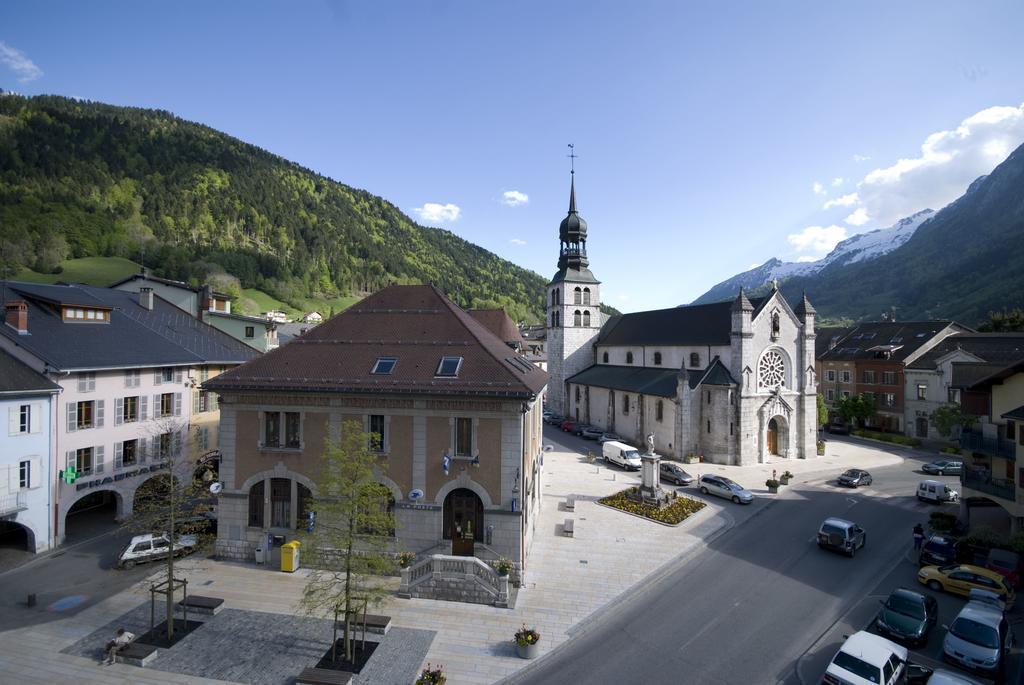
x,y
503,566
405,559
526,636
431,676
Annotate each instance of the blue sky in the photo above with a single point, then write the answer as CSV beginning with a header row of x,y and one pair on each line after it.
x,y
710,135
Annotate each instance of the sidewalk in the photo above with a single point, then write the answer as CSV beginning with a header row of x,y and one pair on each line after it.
x,y
567,580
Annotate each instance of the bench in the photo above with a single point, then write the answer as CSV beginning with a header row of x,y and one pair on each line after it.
x,y
323,676
379,625
568,528
570,504
136,654
201,605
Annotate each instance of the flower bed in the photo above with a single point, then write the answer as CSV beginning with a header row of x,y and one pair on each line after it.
x,y
675,512
887,437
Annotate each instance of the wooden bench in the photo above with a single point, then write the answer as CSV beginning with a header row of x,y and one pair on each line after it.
x,y
323,676
136,654
568,528
201,605
570,504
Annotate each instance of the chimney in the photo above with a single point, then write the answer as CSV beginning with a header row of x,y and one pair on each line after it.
x,y
17,316
206,299
146,298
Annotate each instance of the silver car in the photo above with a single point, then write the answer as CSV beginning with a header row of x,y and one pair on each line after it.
x,y
723,487
978,639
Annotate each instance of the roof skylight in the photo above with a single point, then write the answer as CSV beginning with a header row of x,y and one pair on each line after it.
x,y
384,366
449,367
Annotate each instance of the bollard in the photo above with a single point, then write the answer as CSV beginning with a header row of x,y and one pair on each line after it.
x,y
31,600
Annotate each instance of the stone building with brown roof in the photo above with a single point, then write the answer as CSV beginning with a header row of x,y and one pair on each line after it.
x,y
459,413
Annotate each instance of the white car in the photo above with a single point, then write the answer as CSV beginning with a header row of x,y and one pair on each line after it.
x,y
979,639
150,547
867,659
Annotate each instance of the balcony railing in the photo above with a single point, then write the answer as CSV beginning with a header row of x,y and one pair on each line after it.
x,y
982,481
999,447
13,503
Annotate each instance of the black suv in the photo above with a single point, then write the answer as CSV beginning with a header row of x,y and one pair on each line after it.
x,y
938,550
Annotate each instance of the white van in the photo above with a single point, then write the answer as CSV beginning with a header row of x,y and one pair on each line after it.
x,y
936,491
620,453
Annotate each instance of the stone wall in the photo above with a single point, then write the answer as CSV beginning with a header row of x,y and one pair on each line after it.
x,y
453,590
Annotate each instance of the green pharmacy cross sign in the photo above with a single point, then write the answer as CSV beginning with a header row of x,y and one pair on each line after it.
x,y
69,475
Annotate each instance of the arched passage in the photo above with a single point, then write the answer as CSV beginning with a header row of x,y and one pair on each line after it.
x,y
16,537
463,515
92,514
777,438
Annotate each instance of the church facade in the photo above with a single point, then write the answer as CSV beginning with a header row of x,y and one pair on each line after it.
x,y
733,382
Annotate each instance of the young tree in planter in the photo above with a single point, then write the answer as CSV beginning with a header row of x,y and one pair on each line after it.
x,y
170,501
950,417
353,533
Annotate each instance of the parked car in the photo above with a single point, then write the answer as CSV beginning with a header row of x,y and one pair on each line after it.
x,y
917,674
838,428
853,478
578,429
591,433
553,419
867,659
605,437
936,491
674,473
840,534
567,425
723,487
150,547
621,454
938,550
944,467
960,579
1006,564
978,639
907,616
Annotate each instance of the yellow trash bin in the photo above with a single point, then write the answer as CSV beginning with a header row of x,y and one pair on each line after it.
x,y
290,556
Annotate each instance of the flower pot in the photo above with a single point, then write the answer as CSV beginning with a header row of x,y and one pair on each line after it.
x,y
526,651
784,481
773,490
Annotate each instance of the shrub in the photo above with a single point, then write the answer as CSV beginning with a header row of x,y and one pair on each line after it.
x,y
526,636
771,483
677,511
952,450
821,448
787,475
431,676
887,437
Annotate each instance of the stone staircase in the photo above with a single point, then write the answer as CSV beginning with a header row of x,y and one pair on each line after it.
x,y
455,579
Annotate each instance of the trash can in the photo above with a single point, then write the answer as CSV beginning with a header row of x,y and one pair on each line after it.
x,y
261,556
290,556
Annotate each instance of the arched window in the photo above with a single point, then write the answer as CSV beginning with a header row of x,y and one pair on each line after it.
x,y
586,296
604,358
577,296
771,370
658,411
775,325
576,318
577,393
256,505
586,319
625,404
657,358
694,360
554,319
629,357
554,297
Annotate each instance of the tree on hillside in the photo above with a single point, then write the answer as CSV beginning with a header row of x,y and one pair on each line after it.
x,y
950,419
857,408
352,535
822,411
1005,321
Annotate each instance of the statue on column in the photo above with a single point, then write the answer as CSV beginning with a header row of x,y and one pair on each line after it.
x,y
650,443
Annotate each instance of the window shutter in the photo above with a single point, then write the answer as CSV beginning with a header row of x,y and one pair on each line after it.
x,y
97,459
36,414
13,420
177,404
156,407
99,414
472,437
34,472
72,417
118,454
158,377
141,448
127,378
178,375
385,440
83,384
195,401
143,401
177,445
118,410
92,382
69,459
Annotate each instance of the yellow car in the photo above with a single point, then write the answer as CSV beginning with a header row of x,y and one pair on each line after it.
x,y
962,578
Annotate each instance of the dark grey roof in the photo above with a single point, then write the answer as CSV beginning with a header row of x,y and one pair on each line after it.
x,y
646,381
716,374
899,338
966,374
286,332
243,317
828,337
994,348
135,336
16,378
582,275
1015,414
1000,374
700,324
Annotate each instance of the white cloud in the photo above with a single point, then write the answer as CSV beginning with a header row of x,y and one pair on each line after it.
x,y
437,213
623,298
18,62
818,188
836,182
517,241
844,201
860,158
948,162
514,198
817,239
807,258
858,218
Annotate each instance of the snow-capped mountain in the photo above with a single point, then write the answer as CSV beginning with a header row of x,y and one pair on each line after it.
x,y
859,248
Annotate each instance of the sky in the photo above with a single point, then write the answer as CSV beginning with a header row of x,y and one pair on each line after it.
x,y
711,136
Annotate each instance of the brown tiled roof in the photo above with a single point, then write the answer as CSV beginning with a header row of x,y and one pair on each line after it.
x,y
415,324
499,323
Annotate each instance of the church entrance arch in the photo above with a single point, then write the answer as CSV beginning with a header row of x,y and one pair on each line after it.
x,y
773,437
463,520
778,437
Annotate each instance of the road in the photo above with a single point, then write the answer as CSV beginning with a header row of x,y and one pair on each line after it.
x,y
747,608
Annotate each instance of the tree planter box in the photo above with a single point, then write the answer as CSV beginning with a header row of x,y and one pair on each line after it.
x,y
774,490
527,651
691,460
783,481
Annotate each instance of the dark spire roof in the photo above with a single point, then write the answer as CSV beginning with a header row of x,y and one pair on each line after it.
x,y
805,307
572,236
741,303
573,228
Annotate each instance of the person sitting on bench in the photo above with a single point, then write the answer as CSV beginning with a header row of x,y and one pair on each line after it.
x,y
122,640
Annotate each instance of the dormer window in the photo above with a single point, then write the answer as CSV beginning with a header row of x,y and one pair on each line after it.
x,y
657,358
449,367
629,357
384,366
85,314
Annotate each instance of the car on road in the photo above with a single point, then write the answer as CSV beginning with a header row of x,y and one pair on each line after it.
x,y
960,579
1006,564
568,426
553,419
721,486
579,428
944,467
978,639
918,674
867,659
591,433
674,473
150,547
907,616
838,428
937,550
852,478
840,534
607,437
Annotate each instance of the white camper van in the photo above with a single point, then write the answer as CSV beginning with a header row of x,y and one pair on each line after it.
x,y
620,453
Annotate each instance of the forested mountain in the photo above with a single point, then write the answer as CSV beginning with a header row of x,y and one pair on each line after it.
x,y
81,179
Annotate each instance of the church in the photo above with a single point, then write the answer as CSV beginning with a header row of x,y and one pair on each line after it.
x,y
733,382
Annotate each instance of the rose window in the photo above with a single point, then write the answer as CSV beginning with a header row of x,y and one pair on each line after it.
x,y
771,372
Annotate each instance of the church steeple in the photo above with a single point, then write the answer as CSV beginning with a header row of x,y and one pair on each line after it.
x,y
572,235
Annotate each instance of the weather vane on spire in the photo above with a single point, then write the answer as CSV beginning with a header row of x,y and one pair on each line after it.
x,y
572,158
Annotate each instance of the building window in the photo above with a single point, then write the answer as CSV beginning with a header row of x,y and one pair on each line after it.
x,y
132,378
889,378
384,366
165,443
954,395
250,331
129,409
694,360
577,318
1011,430
204,374
24,474
922,391
577,393
379,500
830,395
167,375
378,433
831,375
586,318
868,377
846,393
292,429
448,367
272,429
129,452
629,357
604,358
83,461
730,428
871,398
845,377
586,296
86,382
202,401
577,295
86,414
554,297
463,437
708,394
658,411
657,358
24,418
167,404
290,421
890,399
554,319
625,405
256,505
709,425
